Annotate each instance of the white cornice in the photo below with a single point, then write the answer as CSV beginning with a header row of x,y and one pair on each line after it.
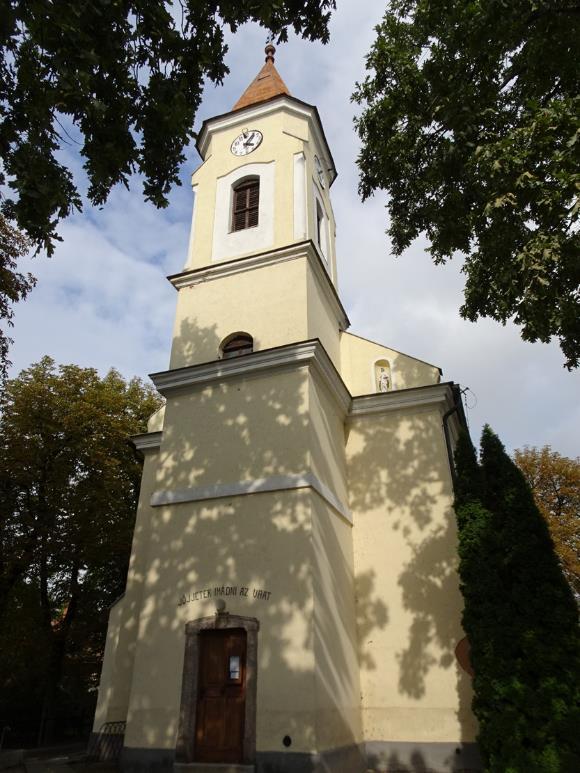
x,y
384,402
229,267
295,251
240,117
302,354
256,486
147,440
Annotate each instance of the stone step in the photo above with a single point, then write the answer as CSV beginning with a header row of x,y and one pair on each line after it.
x,y
212,767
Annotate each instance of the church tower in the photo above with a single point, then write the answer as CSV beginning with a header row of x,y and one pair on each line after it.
x,y
262,245
291,602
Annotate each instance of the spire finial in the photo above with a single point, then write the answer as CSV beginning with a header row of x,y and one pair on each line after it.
x,y
270,50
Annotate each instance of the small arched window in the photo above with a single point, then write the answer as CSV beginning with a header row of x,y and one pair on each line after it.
x,y
246,204
236,345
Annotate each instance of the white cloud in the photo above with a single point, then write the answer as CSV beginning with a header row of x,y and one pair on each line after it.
x,y
103,299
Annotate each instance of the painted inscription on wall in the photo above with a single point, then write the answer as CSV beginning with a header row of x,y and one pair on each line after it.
x,y
222,591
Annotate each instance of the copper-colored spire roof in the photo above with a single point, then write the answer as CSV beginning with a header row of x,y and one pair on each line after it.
x,y
266,84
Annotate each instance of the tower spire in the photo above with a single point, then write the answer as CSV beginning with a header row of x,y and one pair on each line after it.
x,y
267,83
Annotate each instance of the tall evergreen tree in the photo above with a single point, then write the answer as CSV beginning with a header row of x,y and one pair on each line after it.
x,y
520,617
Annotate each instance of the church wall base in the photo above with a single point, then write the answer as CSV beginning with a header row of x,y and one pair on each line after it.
x,y
135,760
378,756
347,759
406,756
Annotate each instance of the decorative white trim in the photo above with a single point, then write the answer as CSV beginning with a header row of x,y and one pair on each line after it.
x,y
147,440
192,230
227,243
303,354
300,223
305,140
240,118
323,247
257,486
384,402
292,252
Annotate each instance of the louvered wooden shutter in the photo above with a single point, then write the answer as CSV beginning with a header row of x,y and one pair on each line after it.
x,y
246,205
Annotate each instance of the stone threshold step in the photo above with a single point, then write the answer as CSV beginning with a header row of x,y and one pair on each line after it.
x,y
211,767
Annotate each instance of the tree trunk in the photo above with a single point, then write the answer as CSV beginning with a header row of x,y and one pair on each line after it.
x,y
58,631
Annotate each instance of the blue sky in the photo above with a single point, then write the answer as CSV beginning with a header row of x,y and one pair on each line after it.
x,y
103,300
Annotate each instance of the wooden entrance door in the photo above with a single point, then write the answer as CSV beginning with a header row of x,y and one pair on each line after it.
x,y
221,697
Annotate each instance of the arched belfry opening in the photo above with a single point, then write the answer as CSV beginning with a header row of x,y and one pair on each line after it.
x,y
235,345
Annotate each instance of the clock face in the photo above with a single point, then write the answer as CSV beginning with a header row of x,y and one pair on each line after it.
x,y
319,171
247,141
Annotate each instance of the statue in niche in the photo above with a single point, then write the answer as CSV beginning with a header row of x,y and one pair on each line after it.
x,y
383,376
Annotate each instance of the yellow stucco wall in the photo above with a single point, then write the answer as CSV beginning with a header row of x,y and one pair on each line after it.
x,y
357,358
117,673
322,320
327,458
337,685
155,422
239,430
106,711
307,657
408,599
233,534
249,302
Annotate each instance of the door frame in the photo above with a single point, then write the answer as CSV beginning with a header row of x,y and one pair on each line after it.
x,y
185,748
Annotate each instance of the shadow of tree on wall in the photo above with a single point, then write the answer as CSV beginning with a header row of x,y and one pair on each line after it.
x,y
416,764
371,613
241,429
398,474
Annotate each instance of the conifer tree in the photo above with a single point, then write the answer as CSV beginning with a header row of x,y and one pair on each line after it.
x,y
520,617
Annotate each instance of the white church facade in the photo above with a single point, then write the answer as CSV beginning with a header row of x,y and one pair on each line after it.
x,y
292,601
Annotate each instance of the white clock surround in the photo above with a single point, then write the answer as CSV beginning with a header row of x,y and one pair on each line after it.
x,y
230,244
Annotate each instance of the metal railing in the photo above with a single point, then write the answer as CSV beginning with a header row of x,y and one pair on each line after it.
x,y
106,745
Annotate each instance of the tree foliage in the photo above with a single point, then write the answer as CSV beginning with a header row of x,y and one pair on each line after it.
x,y
555,483
69,482
128,76
14,286
520,617
471,122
